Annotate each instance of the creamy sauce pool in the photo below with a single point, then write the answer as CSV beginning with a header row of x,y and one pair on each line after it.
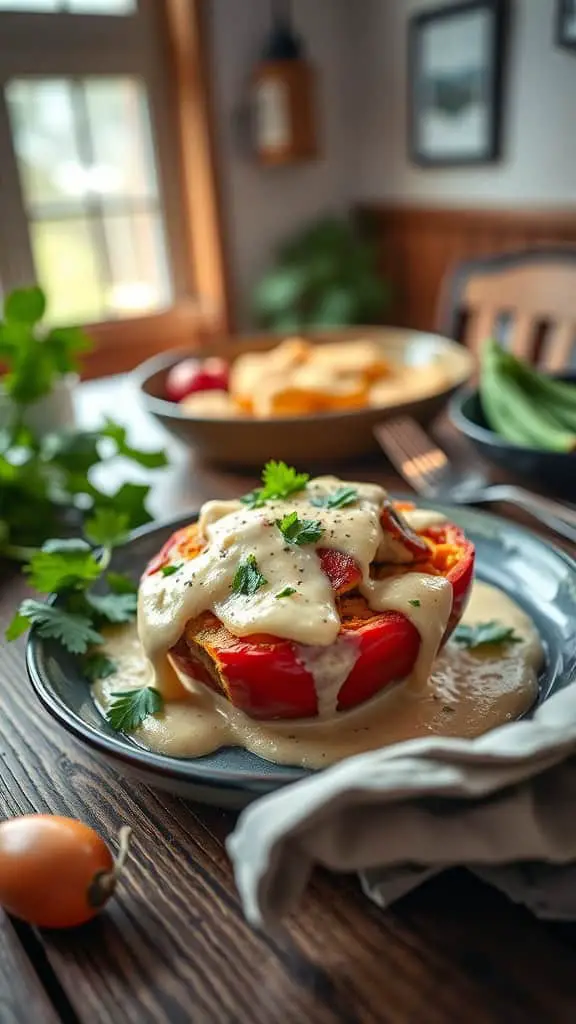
x,y
468,693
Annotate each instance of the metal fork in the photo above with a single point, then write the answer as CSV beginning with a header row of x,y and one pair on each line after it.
x,y
428,470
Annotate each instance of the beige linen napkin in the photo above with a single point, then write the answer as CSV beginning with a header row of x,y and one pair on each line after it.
x,y
402,813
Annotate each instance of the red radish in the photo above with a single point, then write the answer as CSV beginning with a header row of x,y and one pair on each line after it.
x,y
196,375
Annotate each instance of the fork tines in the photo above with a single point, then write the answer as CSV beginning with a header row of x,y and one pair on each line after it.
x,y
415,455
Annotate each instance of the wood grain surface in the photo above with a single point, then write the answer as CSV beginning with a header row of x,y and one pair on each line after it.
x,y
173,946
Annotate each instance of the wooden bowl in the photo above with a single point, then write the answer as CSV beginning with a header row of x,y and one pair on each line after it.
x,y
327,437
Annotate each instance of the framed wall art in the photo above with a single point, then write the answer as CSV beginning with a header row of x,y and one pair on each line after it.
x,y
456,64
566,24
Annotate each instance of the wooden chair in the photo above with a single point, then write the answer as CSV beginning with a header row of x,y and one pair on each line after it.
x,y
527,300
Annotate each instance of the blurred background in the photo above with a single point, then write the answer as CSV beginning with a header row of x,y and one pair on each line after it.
x,y
193,167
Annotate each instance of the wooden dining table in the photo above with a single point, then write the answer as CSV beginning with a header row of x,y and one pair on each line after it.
x,y
173,946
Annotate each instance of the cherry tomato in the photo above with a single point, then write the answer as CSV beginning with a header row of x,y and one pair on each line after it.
x,y
196,375
56,872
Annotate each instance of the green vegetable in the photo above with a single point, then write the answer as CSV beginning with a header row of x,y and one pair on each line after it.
x,y
511,409
46,484
248,578
299,531
169,570
131,707
278,481
107,527
414,602
113,608
286,592
338,499
52,570
483,633
98,666
75,632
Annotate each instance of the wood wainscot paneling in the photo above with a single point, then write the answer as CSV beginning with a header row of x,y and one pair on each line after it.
x,y
418,246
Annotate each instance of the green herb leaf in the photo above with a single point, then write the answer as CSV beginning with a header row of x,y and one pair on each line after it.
x,y
74,632
287,592
414,602
482,633
338,499
118,434
107,527
248,578
169,570
299,531
130,707
98,666
25,306
129,499
66,567
121,584
278,481
114,607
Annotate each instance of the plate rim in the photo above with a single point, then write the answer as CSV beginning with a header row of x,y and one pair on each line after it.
x,y
191,770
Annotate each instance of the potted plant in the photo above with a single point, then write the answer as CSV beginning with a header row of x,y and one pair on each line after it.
x,y
326,276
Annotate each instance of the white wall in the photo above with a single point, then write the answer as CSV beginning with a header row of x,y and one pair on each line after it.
x,y
263,206
359,48
539,160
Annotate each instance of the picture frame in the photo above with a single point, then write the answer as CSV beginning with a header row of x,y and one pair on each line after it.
x,y
566,24
456,78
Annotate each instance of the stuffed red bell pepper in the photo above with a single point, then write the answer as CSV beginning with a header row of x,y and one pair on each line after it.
x,y
267,677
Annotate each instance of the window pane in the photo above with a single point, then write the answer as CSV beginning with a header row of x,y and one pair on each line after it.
x,y
123,160
42,121
138,272
66,266
74,6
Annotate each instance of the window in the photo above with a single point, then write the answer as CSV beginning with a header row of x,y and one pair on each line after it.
x,y
93,171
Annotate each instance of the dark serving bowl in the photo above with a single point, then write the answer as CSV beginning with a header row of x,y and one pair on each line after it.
x,y
550,471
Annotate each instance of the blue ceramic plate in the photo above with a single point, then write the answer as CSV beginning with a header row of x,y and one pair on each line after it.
x,y
539,577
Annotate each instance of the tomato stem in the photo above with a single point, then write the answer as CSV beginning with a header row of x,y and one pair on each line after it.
x,y
103,884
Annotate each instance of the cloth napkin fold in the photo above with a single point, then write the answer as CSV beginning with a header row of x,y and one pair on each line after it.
x,y
503,804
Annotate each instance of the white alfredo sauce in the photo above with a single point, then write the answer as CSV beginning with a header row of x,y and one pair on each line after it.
x,y
309,617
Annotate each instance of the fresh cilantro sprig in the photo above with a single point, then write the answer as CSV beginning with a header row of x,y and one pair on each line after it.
x,y
483,633
169,570
278,481
69,568
299,531
46,482
286,592
129,708
98,666
248,579
340,498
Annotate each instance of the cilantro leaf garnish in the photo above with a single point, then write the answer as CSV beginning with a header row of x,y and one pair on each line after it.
x,y
299,531
248,578
129,708
169,570
482,633
61,565
107,527
98,666
75,632
414,601
278,481
338,499
113,608
286,592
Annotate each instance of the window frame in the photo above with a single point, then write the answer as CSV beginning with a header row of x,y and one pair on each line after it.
x,y
165,45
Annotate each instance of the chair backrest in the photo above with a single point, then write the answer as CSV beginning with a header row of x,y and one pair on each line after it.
x,y
526,299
